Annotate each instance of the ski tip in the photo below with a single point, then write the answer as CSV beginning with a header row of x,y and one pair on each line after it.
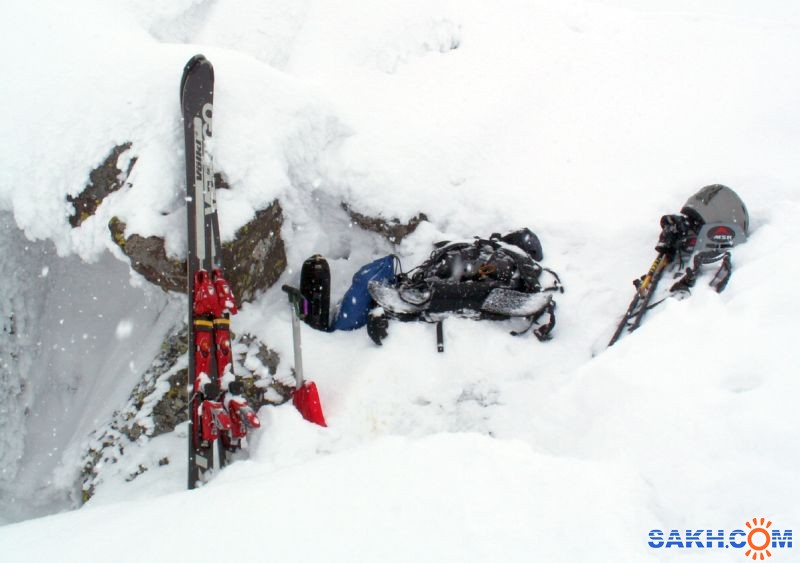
x,y
193,62
191,65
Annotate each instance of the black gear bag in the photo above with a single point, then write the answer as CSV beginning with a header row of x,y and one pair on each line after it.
x,y
495,278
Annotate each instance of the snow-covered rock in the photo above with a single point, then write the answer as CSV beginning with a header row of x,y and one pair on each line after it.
x,y
585,120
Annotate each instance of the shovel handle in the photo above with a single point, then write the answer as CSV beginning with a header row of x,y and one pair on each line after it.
x,y
298,302
293,292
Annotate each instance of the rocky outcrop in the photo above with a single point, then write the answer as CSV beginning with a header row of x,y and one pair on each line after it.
x,y
159,403
393,229
256,257
164,383
254,260
103,180
149,258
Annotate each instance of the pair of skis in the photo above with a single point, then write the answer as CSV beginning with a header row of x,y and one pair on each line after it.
x,y
219,414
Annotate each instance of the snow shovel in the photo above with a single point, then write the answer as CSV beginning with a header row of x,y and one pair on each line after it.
x,y
305,396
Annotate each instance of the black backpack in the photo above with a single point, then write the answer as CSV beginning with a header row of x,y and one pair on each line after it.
x,y
494,279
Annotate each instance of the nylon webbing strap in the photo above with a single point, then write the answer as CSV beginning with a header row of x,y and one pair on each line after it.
x,y
721,277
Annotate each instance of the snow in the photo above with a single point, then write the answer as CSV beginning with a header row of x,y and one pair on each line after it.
x,y
583,120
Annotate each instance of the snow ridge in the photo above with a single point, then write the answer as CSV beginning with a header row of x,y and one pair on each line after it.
x,y
582,120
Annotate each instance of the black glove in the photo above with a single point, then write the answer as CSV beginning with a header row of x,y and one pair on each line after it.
x,y
377,326
674,231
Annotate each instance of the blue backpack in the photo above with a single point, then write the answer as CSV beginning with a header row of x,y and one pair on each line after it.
x,y
354,309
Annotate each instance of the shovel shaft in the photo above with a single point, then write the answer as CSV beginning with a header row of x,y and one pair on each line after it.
x,y
305,396
295,302
298,349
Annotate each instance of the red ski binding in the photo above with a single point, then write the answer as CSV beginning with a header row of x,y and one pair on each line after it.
x,y
205,295
214,419
225,298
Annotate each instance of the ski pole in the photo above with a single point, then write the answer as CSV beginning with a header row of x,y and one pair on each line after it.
x,y
641,298
658,264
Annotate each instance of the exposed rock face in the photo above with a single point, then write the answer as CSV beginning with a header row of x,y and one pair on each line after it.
x,y
254,260
262,363
392,229
164,384
257,257
149,258
103,180
160,402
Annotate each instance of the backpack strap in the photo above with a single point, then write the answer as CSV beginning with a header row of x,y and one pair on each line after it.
x,y
542,331
557,285
702,258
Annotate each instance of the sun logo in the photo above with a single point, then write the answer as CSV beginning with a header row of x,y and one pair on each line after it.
x,y
758,533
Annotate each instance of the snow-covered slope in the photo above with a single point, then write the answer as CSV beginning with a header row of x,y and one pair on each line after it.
x,y
582,120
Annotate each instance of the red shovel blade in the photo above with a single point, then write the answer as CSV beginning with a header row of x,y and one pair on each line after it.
x,y
306,400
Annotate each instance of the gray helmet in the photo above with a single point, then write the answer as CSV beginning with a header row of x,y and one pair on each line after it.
x,y
717,204
722,214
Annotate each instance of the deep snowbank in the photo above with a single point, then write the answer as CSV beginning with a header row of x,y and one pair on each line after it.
x,y
585,121
441,498
529,113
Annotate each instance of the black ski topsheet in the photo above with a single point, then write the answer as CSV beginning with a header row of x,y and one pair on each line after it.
x,y
197,98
